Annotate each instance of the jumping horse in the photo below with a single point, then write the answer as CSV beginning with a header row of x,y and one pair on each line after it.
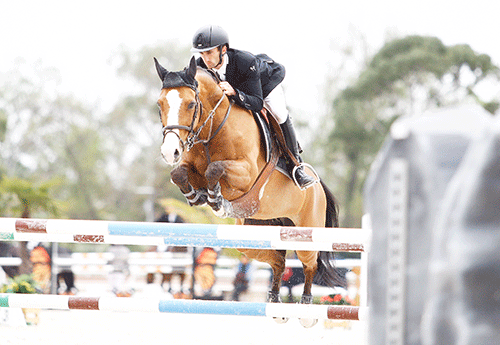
x,y
220,159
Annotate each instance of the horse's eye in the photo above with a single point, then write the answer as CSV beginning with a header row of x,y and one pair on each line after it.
x,y
191,105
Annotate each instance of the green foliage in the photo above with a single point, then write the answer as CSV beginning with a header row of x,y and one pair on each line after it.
x,y
23,197
104,158
139,66
3,125
403,78
62,157
134,127
23,283
414,59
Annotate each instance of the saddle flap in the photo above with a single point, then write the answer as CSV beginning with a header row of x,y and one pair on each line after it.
x,y
265,123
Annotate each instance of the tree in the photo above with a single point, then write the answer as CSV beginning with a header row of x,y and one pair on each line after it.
x,y
21,198
134,129
103,159
48,135
407,76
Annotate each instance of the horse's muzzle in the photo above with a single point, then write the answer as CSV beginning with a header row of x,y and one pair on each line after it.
x,y
172,149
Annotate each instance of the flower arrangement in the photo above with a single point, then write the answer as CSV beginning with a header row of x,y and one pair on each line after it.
x,y
336,299
23,283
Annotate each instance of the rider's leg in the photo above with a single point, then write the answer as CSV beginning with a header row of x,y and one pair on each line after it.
x,y
303,180
276,102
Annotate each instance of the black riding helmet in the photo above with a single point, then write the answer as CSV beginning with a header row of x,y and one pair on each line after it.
x,y
209,37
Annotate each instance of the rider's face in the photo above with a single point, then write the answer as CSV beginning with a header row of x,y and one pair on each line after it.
x,y
211,57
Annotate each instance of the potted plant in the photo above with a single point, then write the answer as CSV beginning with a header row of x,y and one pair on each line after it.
x,y
24,283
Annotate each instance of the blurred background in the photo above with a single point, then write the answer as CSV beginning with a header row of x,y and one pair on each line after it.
x,y
79,128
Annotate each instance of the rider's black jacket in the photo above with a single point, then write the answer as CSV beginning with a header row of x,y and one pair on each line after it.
x,y
253,77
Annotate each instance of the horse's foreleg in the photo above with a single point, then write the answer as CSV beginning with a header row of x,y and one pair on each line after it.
x,y
213,174
237,177
180,177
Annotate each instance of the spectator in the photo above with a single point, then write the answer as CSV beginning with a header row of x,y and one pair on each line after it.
x,y
65,274
242,278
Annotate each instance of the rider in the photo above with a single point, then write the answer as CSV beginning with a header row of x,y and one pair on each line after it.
x,y
251,81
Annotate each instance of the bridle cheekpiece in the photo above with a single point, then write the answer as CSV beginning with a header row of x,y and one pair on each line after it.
x,y
174,80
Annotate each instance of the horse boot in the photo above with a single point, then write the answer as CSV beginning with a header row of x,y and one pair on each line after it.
x,y
302,179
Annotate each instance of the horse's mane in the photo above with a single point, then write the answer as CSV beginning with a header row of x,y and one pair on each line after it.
x,y
208,80
207,72
206,75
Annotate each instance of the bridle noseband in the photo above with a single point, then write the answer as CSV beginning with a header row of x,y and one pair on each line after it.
x,y
193,137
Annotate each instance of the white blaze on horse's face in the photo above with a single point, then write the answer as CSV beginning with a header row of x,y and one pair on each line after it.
x,y
171,148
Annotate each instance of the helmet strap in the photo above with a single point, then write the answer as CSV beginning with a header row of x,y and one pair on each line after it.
x,y
220,56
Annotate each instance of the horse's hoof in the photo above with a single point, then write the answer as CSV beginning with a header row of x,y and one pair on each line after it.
x,y
225,210
220,212
306,299
281,320
273,297
217,206
308,323
197,197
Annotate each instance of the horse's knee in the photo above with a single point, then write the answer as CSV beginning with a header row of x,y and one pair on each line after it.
x,y
179,176
214,172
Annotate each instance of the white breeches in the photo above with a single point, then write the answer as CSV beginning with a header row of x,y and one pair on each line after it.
x,y
275,101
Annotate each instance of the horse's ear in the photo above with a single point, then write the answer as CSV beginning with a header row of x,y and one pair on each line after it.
x,y
191,72
162,72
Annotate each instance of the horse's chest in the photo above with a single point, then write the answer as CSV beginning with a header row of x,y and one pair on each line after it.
x,y
196,171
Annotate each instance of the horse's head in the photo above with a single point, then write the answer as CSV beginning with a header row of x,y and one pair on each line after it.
x,y
179,106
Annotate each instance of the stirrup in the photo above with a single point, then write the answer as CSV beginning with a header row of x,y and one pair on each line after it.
x,y
301,165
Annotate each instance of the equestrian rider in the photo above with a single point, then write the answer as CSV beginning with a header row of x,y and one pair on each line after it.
x,y
251,81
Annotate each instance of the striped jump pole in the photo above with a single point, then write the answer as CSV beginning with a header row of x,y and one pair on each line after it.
x,y
184,234
289,310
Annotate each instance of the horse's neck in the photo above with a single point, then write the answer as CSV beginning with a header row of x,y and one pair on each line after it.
x,y
211,94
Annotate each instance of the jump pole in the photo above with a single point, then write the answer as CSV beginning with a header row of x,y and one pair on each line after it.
x,y
132,304
184,234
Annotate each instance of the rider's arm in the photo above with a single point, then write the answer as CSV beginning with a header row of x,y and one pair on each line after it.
x,y
247,85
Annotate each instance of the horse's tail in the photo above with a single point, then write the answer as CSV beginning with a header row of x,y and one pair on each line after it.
x,y
332,208
326,273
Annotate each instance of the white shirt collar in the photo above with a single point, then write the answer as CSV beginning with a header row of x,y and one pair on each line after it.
x,y
222,69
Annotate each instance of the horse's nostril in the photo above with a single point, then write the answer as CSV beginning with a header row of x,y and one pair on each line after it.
x,y
176,154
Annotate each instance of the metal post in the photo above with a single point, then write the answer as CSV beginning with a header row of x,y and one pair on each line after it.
x,y
54,268
396,252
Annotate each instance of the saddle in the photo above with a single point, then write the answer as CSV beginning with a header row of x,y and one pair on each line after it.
x,y
271,131
249,203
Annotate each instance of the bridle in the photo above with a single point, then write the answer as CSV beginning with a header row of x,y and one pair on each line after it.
x,y
193,137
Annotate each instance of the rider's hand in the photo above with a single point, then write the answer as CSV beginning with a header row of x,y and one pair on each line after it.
x,y
227,88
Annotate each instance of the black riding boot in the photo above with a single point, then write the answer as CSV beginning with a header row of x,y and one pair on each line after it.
x,y
303,180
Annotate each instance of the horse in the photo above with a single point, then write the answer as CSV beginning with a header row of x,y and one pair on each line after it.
x,y
220,159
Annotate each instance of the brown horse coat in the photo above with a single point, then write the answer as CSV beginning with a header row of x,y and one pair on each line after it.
x,y
225,166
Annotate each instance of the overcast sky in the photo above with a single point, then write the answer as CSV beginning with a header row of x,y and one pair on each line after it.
x,y
79,37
